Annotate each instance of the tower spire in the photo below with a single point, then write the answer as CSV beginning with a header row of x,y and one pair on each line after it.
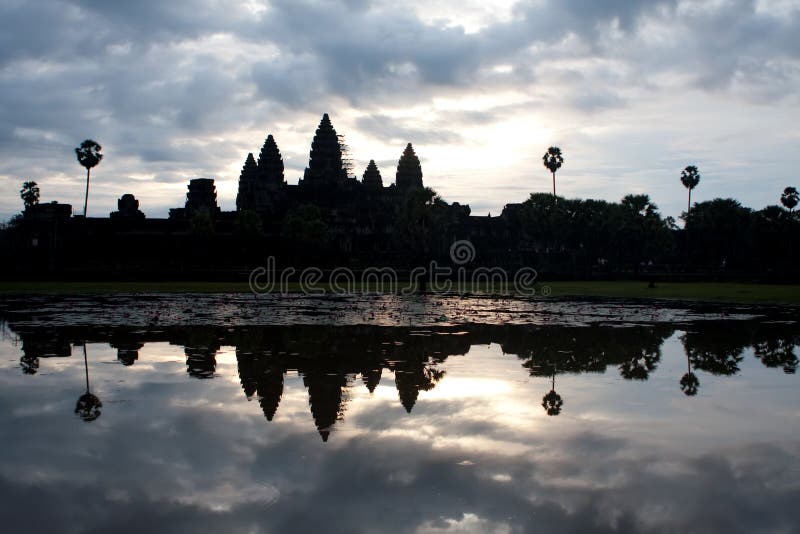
x,y
409,170
325,159
270,162
372,176
247,184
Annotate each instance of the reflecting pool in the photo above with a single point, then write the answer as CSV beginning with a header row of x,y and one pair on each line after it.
x,y
674,418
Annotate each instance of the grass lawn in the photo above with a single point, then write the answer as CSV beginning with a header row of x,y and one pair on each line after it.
x,y
699,291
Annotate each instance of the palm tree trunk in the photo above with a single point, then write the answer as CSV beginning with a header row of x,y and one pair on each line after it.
x,y
86,198
686,231
86,366
554,184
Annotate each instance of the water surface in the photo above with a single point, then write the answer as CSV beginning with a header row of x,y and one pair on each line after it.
x,y
676,418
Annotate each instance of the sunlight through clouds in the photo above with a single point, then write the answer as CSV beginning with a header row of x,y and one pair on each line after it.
x,y
176,91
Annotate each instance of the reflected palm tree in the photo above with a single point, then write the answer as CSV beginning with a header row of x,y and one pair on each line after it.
x,y
689,381
29,364
88,406
552,402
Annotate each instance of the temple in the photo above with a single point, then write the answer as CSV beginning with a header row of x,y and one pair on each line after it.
x,y
327,218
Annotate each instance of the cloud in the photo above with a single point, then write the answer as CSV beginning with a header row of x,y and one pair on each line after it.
x,y
181,89
391,130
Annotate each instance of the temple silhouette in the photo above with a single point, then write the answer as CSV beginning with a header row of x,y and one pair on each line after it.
x,y
329,217
333,361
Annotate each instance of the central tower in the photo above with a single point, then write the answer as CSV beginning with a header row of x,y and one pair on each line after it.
x,y
325,160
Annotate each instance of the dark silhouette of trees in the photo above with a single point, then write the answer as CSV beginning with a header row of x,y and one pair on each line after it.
x,y
641,228
88,156
641,364
774,235
690,177
553,160
716,349
774,344
29,194
573,234
790,198
722,232
777,352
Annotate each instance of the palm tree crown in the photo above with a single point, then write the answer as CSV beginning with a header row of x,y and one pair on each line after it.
x,y
552,159
88,156
29,194
89,153
790,198
690,177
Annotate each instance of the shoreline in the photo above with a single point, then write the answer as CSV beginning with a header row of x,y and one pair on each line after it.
x,y
721,292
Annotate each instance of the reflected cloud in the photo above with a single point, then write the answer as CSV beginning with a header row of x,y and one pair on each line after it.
x,y
421,431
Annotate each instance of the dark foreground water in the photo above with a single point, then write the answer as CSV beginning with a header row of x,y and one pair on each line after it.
x,y
214,414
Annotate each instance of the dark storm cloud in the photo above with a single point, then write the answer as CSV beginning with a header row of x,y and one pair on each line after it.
x,y
361,55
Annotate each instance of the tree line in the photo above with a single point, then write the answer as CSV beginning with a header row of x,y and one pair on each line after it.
x,y
576,234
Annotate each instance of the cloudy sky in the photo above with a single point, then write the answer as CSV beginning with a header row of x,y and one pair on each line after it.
x,y
631,90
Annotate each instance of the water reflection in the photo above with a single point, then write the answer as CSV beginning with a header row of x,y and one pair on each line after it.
x,y
552,401
424,429
88,405
331,359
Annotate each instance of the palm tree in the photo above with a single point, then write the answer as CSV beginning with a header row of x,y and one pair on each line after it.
x,y
790,198
690,177
552,160
29,194
552,402
88,155
88,405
